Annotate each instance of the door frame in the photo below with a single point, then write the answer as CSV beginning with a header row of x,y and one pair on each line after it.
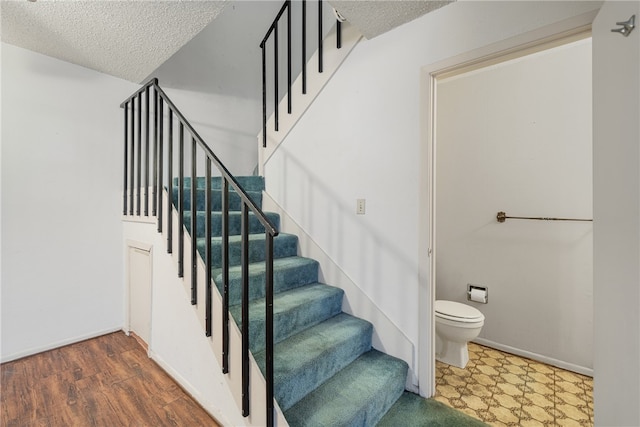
x,y
519,45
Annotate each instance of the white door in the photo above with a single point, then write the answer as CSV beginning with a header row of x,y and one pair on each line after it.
x,y
616,145
139,261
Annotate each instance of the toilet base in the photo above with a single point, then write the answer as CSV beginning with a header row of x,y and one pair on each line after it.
x,y
452,353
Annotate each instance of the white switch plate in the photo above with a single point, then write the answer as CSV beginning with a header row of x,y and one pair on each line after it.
x,y
360,206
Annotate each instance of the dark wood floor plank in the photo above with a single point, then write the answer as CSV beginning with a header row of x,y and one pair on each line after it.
x,y
18,397
56,390
113,363
106,381
10,374
185,412
152,378
44,364
100,380
97,407
133,404
81,360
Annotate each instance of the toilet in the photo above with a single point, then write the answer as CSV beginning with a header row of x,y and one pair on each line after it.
x,y
456,325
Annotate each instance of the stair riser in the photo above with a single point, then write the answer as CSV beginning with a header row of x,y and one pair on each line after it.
x,y
282,280
292,321
283,246
255,226
235,202
248,183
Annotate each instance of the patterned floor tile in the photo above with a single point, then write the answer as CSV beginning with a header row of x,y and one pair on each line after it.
x,y
502,389
479,390
505,416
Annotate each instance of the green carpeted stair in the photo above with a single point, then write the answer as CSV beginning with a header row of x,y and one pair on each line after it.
x,y
325,370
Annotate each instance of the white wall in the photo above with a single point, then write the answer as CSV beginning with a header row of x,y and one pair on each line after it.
x,y
516,137
61,177
616,210
361,139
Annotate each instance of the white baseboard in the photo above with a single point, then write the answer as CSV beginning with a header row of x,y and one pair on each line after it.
x,y
61,343
535,356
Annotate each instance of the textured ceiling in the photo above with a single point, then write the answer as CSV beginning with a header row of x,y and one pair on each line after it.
x,y
374,17
126,39
132,38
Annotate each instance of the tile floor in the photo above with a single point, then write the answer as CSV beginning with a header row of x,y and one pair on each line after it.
x,y
503,389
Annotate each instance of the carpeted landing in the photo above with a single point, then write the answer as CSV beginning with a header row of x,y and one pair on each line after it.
x,y
326,373
411,410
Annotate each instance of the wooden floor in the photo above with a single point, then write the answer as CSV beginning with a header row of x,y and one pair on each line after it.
x,y
106,381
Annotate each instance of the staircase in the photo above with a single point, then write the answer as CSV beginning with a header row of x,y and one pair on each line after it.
x,y
325,370
288,339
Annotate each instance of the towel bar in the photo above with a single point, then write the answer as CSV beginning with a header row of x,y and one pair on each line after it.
x,y
502,217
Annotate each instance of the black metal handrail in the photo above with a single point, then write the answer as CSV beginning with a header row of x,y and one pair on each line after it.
x,y
273,30
137,118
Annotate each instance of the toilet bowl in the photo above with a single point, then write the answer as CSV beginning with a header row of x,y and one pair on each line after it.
x,y
456,325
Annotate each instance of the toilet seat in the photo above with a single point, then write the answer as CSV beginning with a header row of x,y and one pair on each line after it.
x,y
457,312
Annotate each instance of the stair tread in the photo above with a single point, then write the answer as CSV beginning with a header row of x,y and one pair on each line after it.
x,y
288,273
285,301
360,394
249,182
214,188
311,343
284,245
252,237
201,212
234,222
234,199
260,267
305,360
201,190
294,310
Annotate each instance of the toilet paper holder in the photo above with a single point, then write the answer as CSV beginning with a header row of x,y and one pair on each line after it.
x,y
477,293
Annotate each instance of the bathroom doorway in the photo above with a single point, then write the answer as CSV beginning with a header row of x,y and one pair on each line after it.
x,y
514,135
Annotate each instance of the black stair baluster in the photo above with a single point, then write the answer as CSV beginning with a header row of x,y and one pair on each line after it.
x,y
275,73
194,234
244,261
157,183
225,275
170,184
304,46
125,187
138,196
320,36
156,167
264,95
132,156
146,153
207,246
269,328
288,3
339,35
181,204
